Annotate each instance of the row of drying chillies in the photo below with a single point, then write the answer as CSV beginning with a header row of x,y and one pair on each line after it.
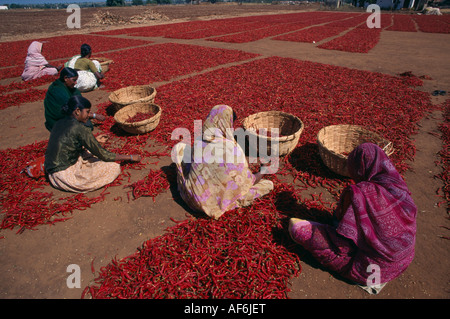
x,y
402,22
17,93
167,61
26,203
319,94
299,23
360,39
17,98
59,47
314,34
218,27
433,23
237,28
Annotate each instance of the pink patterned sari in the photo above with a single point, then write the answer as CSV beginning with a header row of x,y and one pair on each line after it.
x,y
377,222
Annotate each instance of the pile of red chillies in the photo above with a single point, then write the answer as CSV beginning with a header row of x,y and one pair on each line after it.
x,y
152,185
17,93
24,204
139,116
247,253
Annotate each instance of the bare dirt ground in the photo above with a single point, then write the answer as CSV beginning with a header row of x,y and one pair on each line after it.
x,y
33,264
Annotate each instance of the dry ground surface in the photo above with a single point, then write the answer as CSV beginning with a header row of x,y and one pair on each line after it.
x,y
33,264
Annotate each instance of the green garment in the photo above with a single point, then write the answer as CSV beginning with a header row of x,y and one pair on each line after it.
x,y
67,140
57,95
85,64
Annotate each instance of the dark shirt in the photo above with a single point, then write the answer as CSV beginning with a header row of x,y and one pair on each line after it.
x,y
65,145
57,95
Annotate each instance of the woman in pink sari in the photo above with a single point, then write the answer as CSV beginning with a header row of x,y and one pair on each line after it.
x,y
36,65
373,241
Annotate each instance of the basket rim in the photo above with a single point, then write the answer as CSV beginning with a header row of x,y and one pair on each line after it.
x,y
102,59
388,148
140,123
112,98
274,112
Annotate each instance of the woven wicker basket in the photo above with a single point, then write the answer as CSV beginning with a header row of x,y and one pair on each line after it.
x,y
131,95
337,141
290,128
138,127
104,63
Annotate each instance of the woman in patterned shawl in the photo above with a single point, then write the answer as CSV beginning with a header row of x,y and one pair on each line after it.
x,y
217,180
376,224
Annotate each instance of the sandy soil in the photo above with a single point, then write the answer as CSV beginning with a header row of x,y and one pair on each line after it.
x,y
33,264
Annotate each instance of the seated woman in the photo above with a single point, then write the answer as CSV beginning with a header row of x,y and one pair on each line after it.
x,y
75,161
89,71
58,94
36,65
376,224
215,186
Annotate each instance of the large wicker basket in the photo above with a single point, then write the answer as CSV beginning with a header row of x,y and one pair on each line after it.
x,y
290,128
104,63
140,127
337,141
131,95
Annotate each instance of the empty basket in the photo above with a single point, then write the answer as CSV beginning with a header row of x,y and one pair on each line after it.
x,y
290,128
337,141
140,127
131,95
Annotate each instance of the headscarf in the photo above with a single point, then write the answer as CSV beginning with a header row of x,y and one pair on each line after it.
x,y
218,123
34,55
381,218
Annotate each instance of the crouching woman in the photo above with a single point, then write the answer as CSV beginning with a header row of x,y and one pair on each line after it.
x,y
75,161
375,227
